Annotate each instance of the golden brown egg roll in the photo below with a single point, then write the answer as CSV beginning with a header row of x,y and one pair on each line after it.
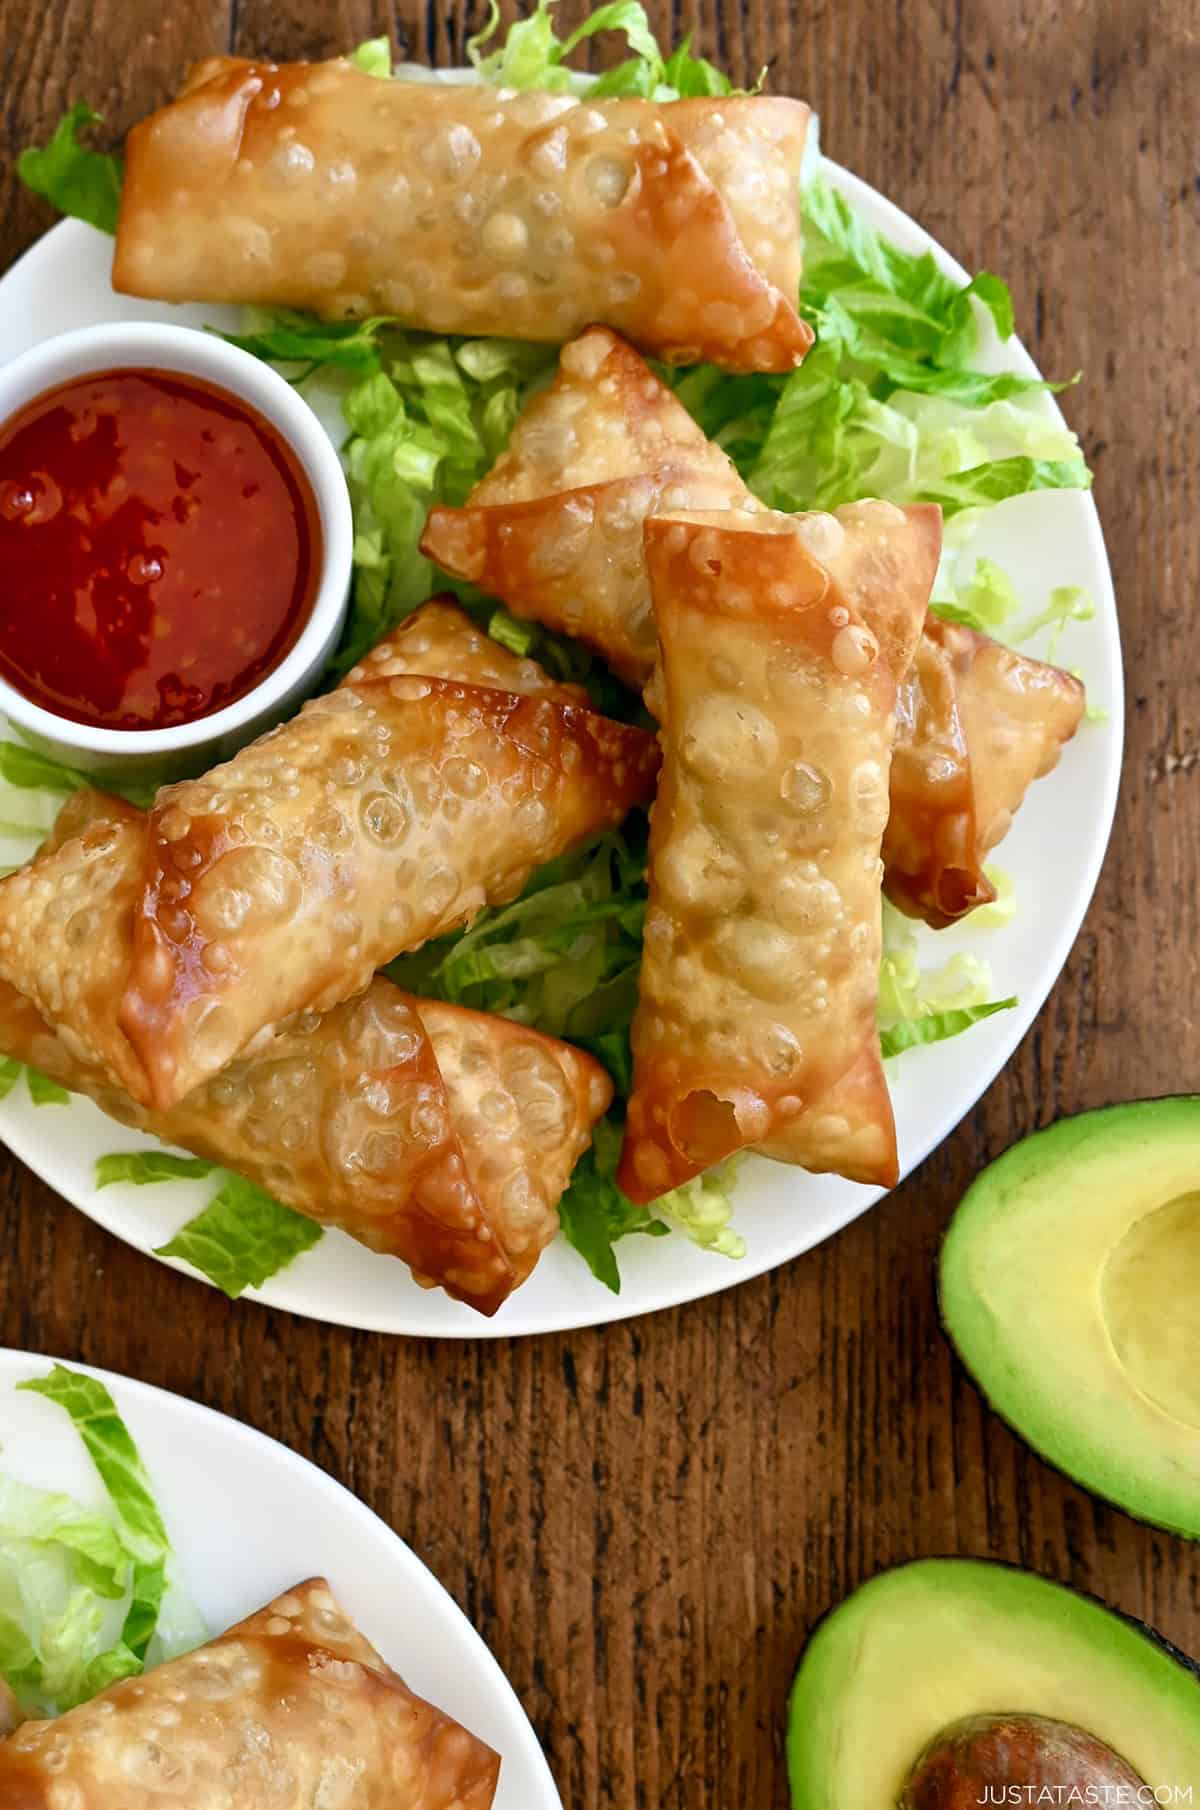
x,y
555,528
978,723
387,812
292,1707
440,641
427,1132
782,641
466,209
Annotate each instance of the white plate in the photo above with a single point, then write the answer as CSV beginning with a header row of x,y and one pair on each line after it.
x,y
1054,854
248,1519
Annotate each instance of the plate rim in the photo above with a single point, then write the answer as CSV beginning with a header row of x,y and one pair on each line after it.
x,y
605,1308
314,1478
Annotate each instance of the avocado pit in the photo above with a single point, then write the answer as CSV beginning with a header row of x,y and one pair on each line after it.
x,y
973,1762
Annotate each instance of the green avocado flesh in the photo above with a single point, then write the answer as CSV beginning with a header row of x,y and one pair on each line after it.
x,y
922,1647
1070,1286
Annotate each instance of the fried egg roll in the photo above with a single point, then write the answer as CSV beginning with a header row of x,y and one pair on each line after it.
x,y
978,723
555,530
461,208
782,643
387,812
428,1132
291,1707
440,641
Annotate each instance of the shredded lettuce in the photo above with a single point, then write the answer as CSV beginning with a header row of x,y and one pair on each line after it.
x,y
145,1167
986,602
43,1091
935,1026
926,1005
702,1209
87,1595
532,55
1067,603
595,1214
242,1237
1003,907
76,179
373,57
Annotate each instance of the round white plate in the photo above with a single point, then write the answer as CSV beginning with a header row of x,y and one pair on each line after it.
x,y
248,1519
1054,855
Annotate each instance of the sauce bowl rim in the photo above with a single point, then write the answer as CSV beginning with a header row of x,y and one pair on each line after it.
x,y
191,351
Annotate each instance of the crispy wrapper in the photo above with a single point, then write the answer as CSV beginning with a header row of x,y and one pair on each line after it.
x,y
463,209
428,1132
387,812
291,1707
978,723
782,644
440,641
555,528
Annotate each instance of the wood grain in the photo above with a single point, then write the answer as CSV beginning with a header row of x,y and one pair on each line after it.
x,y
645,1521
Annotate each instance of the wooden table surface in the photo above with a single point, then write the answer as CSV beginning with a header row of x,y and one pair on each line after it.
x,y
644,1521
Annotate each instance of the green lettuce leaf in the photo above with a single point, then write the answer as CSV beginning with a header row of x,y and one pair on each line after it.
x,y
986,602
77,180
242,1237
594,1212
702,1209
10,1074
85,1592
935,1026
423,428
1067,603
373,57
43,1091
1003,907
26,768
143,1167
532,54
286,336
111,1448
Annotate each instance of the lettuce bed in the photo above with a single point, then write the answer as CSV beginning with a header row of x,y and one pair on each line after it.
x,y
894,400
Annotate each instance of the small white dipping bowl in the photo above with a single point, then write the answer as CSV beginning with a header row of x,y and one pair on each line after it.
x,y
157,755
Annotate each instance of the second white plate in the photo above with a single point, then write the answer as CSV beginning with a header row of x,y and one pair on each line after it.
x,y
248,1519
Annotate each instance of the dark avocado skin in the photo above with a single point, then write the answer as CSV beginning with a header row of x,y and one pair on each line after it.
x,y
1103,1122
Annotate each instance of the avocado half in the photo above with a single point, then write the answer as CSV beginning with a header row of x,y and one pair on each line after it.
x,y
919,1649
1070,1287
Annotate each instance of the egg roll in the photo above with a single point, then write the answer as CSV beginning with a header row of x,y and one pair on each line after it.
x,y
555,527
555,530
428,1132
461,208
440,641
387,812
782,643
978,723
291,1707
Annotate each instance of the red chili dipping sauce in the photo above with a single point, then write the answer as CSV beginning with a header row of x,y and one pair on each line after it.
x,y
160,549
